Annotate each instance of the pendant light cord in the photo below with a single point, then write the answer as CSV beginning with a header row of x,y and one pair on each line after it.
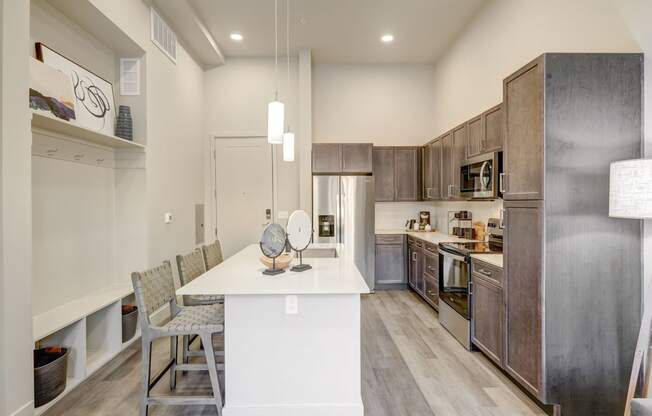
x,y
276,47
287,44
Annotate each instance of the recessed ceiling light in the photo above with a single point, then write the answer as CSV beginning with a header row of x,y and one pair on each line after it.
x,y
236,37
387,38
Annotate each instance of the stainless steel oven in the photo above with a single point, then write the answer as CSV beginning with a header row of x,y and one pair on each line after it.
x,y
480,176
454,294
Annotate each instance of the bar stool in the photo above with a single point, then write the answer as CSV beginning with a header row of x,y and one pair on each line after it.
x,y
212,254
154,289
191,266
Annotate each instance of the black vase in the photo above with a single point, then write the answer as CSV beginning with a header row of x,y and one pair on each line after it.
x,y
124,124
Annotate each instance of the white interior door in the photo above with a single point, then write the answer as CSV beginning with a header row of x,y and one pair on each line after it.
x,y
243,185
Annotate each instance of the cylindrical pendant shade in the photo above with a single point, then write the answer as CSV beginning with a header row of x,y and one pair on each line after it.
x,y
630,189
288,147
275,122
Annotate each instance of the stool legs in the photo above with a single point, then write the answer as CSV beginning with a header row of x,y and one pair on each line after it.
x,y
147,362
207,340
174,347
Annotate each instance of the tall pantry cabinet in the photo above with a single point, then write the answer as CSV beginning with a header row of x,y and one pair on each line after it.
x,y
573,274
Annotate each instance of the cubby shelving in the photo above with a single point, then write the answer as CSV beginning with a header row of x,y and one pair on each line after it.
x,y
88,188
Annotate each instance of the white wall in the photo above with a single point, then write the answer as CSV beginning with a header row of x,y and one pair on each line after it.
x,y
505,35
385,104
235,101
16,371
175,144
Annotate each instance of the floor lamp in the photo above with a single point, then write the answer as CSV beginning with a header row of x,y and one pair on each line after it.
x,y
630,196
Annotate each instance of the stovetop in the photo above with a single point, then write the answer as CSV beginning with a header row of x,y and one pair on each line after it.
x,y
474,248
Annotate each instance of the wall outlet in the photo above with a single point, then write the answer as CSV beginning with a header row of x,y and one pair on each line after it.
x,y
167,218
291,305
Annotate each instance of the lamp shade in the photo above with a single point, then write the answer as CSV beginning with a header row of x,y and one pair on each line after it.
x,y
288,147
630,189
275,122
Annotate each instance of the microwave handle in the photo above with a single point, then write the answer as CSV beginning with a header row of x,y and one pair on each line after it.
x,y
482,168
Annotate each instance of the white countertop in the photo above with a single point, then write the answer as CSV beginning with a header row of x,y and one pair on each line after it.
x,y
493,259
434,237
241,274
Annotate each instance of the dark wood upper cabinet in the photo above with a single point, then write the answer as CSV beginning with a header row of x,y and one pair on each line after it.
x,y
427,167
460,137
326,158
493,129
487,323
435,159
407,167
384,178
475,142
523,244
523,142
357,158
446,166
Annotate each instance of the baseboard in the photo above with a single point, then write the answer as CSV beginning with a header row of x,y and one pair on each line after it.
x,y
391,286
327,409
26,410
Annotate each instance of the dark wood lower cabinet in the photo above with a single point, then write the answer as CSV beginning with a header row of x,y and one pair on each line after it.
x,y
423,270
487,323
390,260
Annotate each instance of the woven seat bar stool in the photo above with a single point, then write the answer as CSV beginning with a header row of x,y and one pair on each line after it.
x,y
154,289
191,266
212,254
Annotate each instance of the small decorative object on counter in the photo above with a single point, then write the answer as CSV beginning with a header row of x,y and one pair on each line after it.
x,y
129,321
124,123
460,224
428,228
272,244
424,219
50,372
299,236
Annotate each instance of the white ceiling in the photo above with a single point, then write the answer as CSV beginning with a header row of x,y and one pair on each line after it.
x,y
338,31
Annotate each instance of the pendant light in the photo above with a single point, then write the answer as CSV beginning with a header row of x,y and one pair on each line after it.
x,y
288,136
275,109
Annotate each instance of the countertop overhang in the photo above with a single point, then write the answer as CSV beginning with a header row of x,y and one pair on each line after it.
x,y
242,274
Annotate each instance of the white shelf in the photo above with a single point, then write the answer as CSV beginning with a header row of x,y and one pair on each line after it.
x,y
75,131
58,318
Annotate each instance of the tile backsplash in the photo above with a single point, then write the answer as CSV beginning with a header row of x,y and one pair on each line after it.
x,y
393,215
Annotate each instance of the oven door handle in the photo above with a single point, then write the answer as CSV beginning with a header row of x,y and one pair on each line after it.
x,y
451,255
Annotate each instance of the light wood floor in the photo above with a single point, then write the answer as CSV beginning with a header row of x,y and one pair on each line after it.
x,y
410,367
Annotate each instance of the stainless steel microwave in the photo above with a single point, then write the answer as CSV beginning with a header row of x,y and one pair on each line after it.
x,y
479,176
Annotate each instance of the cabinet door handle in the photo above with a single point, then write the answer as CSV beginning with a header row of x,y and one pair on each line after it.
x,y
414,256
485,272
470,288
432,269
501,180
450,191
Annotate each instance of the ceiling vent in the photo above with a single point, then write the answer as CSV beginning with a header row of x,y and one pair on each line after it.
x,y
163,36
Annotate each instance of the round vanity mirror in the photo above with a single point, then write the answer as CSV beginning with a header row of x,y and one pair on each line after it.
x,y
299,236
272,244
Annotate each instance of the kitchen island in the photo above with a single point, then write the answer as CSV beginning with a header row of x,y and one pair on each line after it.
x,y
292,341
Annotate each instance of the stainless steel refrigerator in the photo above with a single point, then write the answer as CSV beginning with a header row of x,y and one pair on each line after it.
x,y
343,212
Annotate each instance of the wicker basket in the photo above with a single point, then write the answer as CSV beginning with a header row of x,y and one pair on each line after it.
x,y
129,322
50,372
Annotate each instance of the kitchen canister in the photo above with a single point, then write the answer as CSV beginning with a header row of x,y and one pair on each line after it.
x,y
124,123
